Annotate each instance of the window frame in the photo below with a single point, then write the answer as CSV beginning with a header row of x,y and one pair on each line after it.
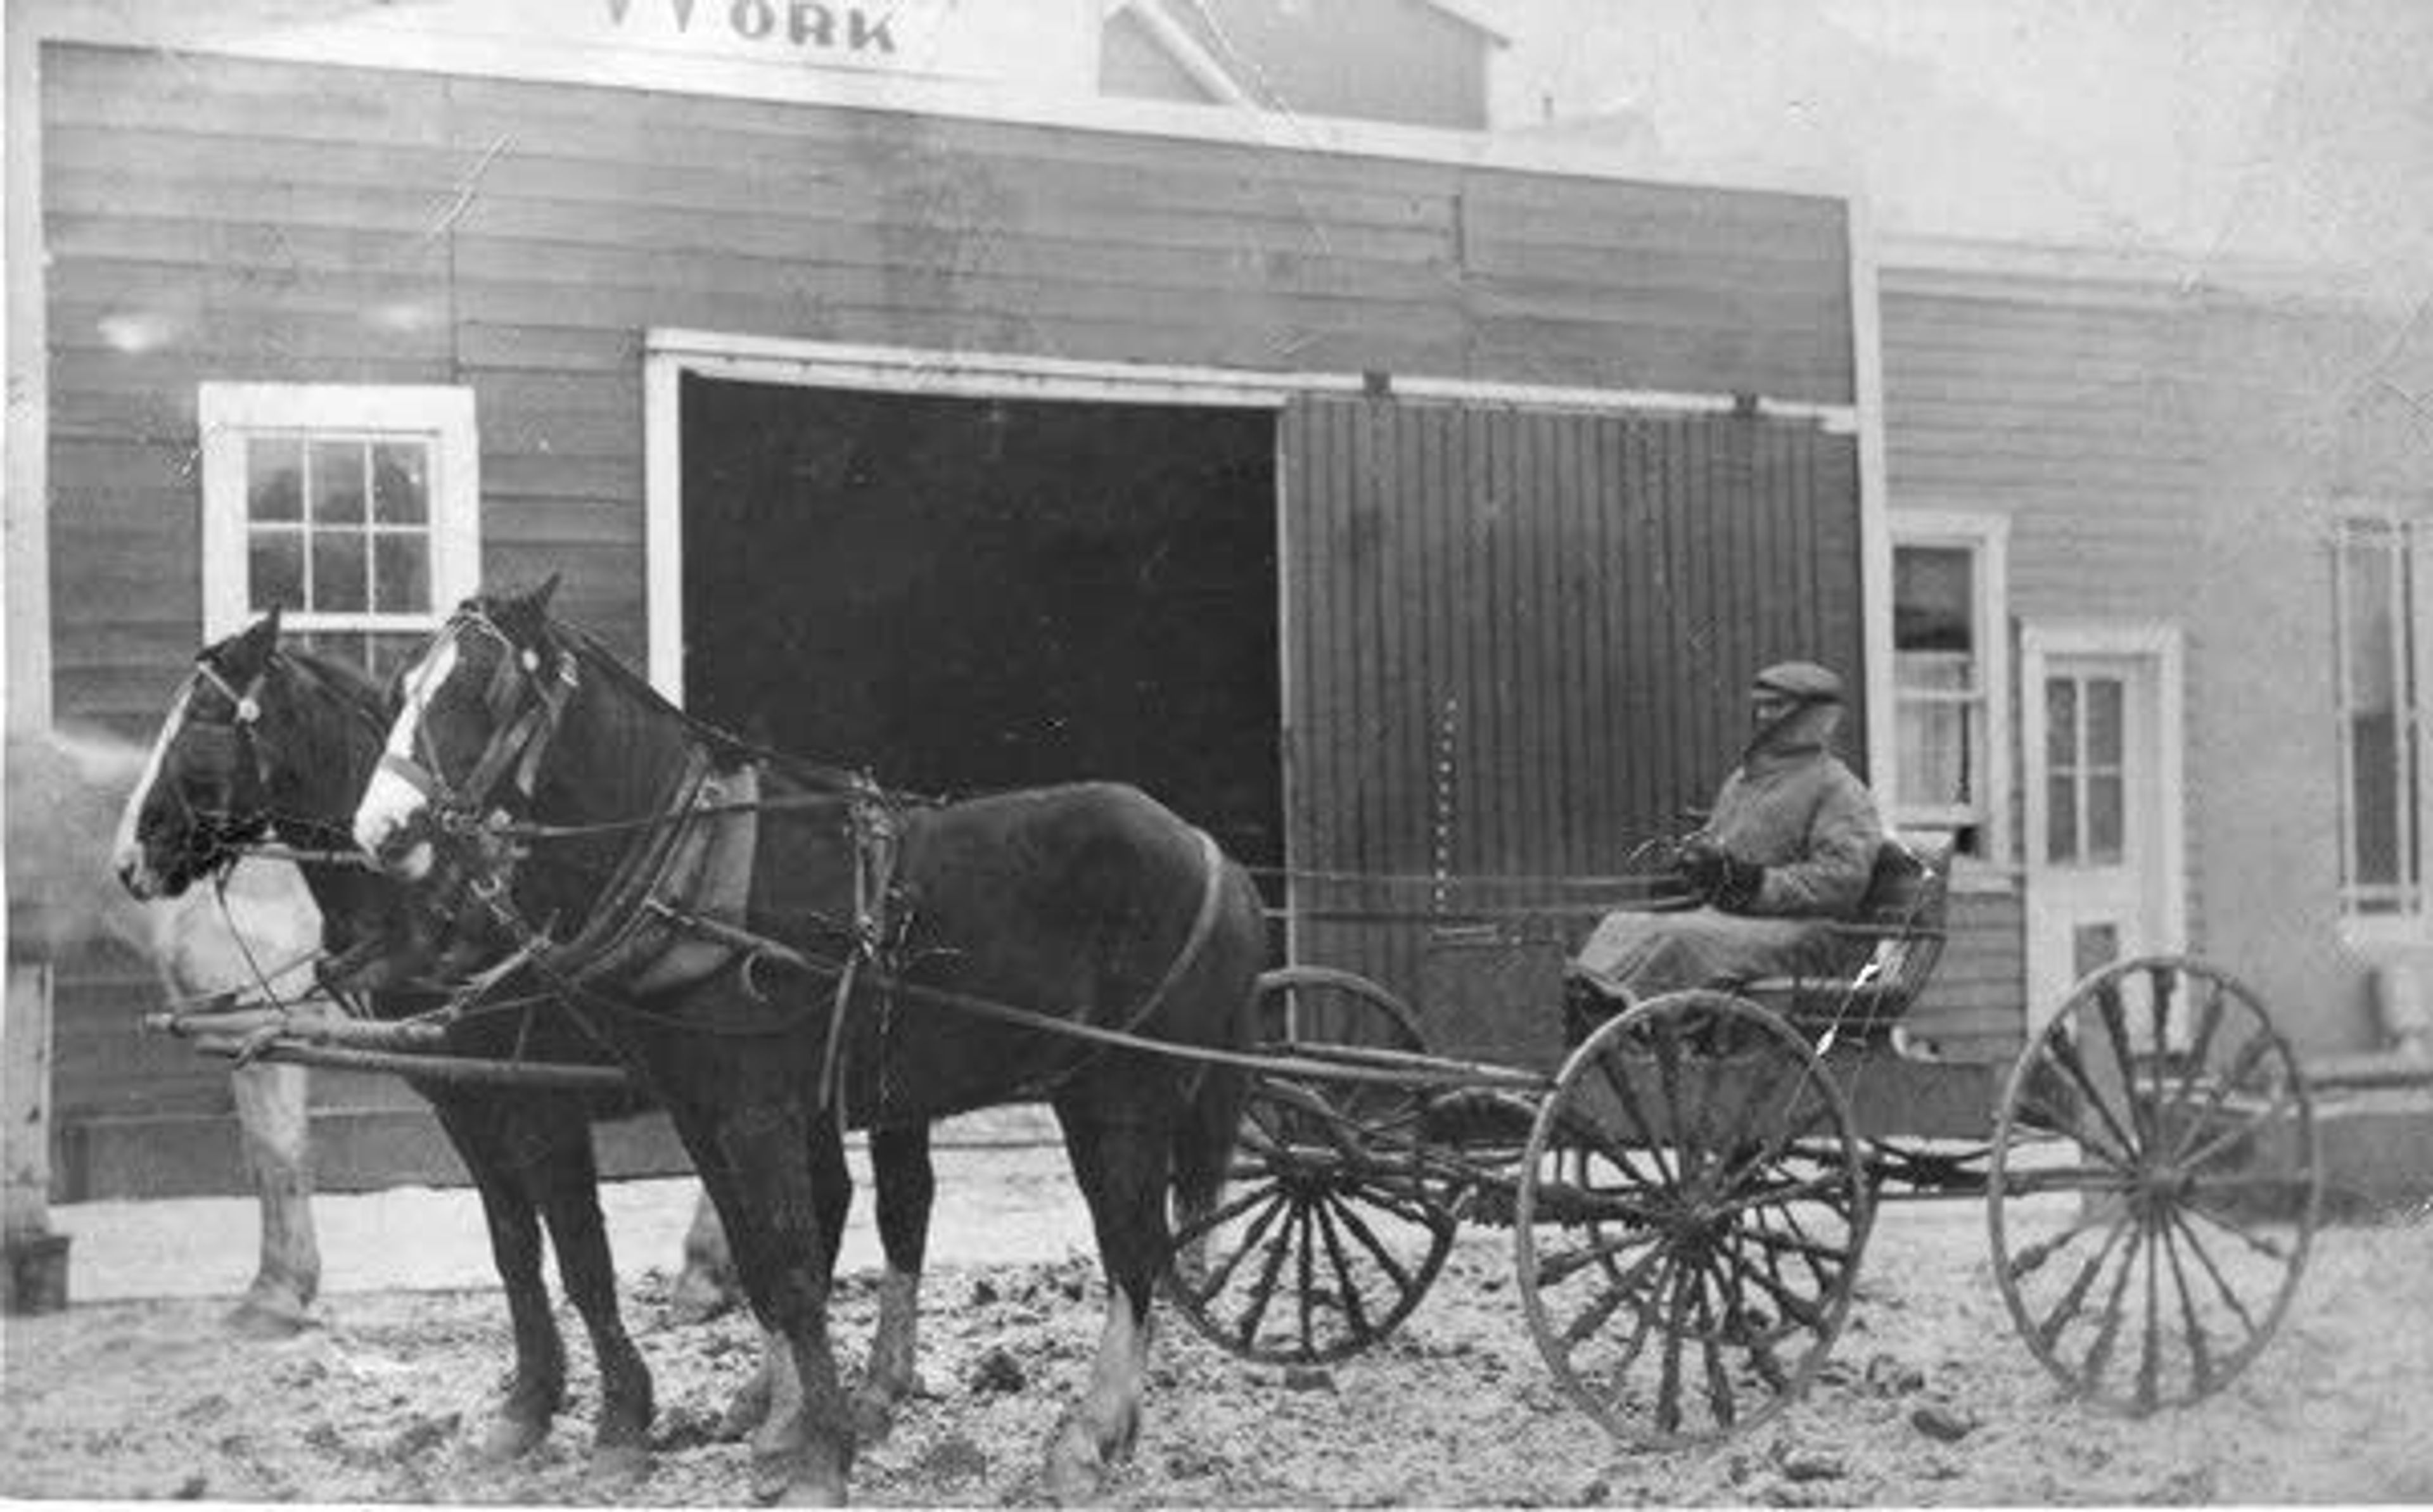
x,y
228,414
2412,921
1986,538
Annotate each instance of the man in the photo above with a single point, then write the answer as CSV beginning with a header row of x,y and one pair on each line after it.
x,y
1789,849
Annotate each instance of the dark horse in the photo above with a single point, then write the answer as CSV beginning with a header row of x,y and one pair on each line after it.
x,y
267,741
779,950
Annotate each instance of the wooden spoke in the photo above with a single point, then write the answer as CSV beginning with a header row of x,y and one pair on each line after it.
x,y
1333,1227
2193,1207
1600,1250
1715,1306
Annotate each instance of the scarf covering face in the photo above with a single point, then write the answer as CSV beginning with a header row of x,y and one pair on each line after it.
x,y
1794,809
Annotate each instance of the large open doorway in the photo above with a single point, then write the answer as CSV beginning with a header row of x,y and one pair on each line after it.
x,y
965,594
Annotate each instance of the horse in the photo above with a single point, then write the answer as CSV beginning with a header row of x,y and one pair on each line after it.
x,y
782,949
270,741
65,794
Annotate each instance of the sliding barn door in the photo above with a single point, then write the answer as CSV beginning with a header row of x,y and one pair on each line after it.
x,y
1516,647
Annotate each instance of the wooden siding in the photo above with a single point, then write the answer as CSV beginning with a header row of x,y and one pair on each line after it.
x,y
1517,648
2164,455
216,219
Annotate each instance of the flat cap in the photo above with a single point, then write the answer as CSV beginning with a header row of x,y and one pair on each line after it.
x,y
1801,680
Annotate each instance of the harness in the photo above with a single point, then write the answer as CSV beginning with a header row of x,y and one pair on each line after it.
x,y
674,911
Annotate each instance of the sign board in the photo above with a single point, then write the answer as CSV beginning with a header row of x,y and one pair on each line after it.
x,y
757,48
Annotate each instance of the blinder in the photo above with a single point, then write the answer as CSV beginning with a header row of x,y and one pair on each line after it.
x,y
519,737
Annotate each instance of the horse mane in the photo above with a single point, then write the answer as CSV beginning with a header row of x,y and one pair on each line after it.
x,y
728,748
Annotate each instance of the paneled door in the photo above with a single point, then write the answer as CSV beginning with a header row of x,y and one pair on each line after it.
x,y
2101,738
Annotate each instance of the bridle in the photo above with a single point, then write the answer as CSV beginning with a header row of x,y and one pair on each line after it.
x,y
227,846
519,736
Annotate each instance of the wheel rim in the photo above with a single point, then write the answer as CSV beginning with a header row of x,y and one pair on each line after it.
x,y
2156,1184
1330,1228
1690,1220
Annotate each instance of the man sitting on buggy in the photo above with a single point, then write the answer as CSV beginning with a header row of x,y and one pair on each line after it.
x,y
1788,850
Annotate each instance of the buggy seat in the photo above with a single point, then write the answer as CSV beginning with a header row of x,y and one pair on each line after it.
x,y
1890,949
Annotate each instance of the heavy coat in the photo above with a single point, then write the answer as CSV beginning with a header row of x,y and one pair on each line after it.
x,y
1792,807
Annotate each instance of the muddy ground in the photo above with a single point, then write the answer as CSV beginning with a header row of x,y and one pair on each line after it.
x,y
155,1399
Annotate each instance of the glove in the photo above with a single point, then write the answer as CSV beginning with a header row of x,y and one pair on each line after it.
x,y
1723,880
1737,885
1701,863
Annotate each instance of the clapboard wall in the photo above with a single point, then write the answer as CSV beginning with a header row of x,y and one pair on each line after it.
x,y
208,218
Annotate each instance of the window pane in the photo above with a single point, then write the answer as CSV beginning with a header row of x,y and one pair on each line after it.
x,y
1934,592
1934,672
1934,753
274,477
2104,797
2367,632
337,480
391,650
401,573
274,569
400,482
2093,946
2374,798
2104,739
338,572
2061,725
2061,820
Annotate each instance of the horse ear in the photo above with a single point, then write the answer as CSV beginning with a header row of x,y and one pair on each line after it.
x,y
541,596
259,638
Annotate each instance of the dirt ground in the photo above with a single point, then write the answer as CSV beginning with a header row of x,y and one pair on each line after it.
x,y
155,1400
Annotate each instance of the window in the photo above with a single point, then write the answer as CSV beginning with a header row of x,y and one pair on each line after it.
x,y
2374,586
1949,659
355,510
2086,770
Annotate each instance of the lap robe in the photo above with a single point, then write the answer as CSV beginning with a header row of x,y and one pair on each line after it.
x,y
1645,954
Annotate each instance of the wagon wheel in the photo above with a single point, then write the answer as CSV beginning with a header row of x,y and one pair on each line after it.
x,y
1330,1228
1691,1212
2155,1186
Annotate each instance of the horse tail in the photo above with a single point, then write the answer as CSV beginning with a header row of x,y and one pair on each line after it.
x,y
1202,1139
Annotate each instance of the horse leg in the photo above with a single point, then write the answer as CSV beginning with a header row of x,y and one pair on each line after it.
x,y
564,1177
273,1116
540,1388
1121,1164
908,1186
783,1218
705,1285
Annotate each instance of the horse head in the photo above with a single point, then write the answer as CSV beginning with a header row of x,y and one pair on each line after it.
x,y
203,796
475,716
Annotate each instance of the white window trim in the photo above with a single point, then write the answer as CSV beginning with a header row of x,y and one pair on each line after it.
x,y
1988,538
442,415
2369,931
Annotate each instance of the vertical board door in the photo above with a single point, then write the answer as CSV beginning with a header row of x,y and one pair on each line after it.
x,y
1516,647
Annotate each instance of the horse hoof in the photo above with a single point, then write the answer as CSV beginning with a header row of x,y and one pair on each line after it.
x,y
618,1467
1075,1475
697,1298
257,1318
874,1415
510,1438
785,1481
745,1412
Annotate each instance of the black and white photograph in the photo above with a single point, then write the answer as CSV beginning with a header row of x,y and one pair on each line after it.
x,y
1218,753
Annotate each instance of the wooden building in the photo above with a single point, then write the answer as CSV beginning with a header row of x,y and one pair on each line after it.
x,y
2158,602
1391,502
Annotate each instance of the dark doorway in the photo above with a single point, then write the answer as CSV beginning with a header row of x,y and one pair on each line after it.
x,y
965,594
